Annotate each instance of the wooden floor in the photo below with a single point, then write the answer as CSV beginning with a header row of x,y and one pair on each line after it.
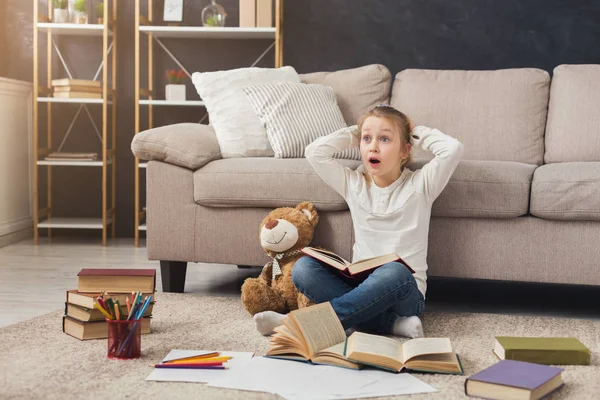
x,y
34,279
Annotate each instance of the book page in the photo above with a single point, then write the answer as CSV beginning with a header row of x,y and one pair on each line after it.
x,y
320,326
374,344
370,263
327,257
415,347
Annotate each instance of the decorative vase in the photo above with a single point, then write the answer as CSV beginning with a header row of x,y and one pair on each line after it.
x,y
175,92
61,16
213,15
81,17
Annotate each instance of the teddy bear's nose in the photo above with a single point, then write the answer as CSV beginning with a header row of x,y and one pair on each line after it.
x,y
271,224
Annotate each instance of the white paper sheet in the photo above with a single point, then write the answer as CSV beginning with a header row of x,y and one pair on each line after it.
x,y
384,384
294,378
237,362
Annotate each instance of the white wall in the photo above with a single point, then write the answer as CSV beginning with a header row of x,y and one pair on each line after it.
x,y
16,156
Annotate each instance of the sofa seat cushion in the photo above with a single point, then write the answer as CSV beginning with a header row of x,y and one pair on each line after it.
x,y
567,191
484,189
266,183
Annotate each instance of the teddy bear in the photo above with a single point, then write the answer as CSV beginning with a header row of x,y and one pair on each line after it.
x,y
283,233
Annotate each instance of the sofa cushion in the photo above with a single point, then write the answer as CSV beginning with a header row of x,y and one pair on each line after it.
x,y
497,115
573,127
487,189
186,145
266,183
484,189
567,191
239,131
296,114
357,89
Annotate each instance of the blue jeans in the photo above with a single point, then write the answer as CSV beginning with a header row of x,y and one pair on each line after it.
x,y
372,305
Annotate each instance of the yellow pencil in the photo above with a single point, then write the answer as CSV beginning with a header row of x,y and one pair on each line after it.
x,y
117,311
199,360
102,310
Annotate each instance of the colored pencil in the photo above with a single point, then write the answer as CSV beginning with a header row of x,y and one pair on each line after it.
x,y
199,356
190,366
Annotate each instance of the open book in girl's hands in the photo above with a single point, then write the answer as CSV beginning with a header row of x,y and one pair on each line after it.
x,y
352,269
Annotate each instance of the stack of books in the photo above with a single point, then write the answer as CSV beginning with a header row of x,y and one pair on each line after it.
x,y
76,88
64,156
83,321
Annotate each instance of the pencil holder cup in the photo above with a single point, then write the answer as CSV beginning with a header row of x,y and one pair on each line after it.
x,y
124,339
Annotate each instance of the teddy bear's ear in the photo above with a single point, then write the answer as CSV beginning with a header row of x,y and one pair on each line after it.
x,y
310,211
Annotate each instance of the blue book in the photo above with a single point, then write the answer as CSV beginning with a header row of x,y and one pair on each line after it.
x,y
514,380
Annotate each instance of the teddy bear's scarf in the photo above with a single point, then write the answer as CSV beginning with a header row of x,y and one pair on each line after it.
x,y
275,262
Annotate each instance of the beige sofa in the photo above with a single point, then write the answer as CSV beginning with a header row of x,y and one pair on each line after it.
x,y
523,204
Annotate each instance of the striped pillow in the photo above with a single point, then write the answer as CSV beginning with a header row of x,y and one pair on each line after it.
x,y
295,114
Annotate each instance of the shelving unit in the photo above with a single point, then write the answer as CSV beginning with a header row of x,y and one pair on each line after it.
x,y
144,25
43,218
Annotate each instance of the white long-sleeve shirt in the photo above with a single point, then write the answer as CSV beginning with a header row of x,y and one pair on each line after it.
x,y
394,218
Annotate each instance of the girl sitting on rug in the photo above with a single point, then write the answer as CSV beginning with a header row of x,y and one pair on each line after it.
x,y
391,209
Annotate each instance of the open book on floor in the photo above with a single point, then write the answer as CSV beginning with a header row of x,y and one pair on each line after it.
x,y
315,334
422,354
348,268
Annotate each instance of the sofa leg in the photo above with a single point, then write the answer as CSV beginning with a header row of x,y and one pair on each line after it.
x,y
173,275
244,266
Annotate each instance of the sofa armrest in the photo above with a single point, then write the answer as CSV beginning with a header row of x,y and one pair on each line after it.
x,y
186,145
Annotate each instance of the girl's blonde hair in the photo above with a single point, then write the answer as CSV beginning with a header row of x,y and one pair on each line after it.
x,y
396,117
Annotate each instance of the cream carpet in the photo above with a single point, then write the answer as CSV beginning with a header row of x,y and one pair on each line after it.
x,y
41,362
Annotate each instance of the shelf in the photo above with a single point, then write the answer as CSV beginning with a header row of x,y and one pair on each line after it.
x,y
142,227
198,32
72,29
172,103
74,163
143,165
75,223
70,100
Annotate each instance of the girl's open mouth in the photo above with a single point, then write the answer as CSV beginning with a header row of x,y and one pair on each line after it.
x,y
374,162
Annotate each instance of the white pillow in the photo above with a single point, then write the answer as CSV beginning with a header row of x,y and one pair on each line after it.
x,y
295,114
238,129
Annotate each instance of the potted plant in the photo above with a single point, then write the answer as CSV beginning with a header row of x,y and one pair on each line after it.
x,y
175,89
100,13
80,9
61,13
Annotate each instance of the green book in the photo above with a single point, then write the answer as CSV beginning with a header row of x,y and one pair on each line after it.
x,y
542,350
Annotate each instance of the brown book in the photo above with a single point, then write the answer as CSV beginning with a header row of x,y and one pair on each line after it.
x,y
116,280
349,269
94,329
85,314
78,95
315,334
75,82
87,299
90,89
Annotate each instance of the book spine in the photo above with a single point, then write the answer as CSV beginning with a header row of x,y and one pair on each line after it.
x,y
550,357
